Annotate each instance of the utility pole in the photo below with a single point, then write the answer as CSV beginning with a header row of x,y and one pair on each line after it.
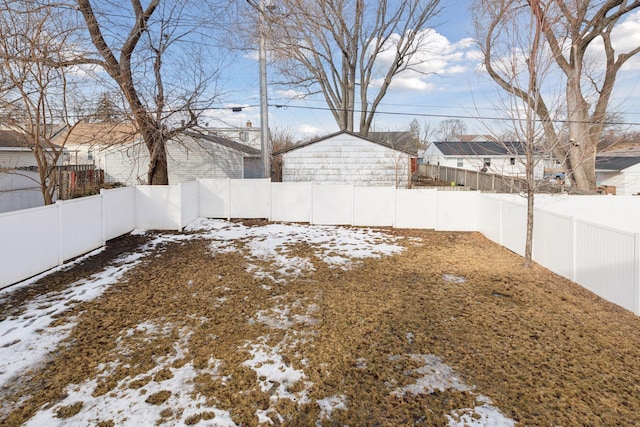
x,y
264,107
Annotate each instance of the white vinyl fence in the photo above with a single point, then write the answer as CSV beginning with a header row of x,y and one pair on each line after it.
x,y
602,258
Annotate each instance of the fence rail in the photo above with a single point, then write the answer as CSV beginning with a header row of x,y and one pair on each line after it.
x,y
604,259
483,181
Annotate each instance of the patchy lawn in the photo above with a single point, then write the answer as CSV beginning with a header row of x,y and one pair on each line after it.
x,y
250,323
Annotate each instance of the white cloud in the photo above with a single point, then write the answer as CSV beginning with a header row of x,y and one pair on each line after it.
x,y
291,94
435,54
308,130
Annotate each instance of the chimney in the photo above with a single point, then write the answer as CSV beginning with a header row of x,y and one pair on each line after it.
x,y
249,124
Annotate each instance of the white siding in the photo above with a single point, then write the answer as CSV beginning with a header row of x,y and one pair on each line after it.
x,y
346,159
17,159
190,160
500,165
627,181
128,164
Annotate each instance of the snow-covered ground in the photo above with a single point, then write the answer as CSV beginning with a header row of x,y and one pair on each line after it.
x,y
27,339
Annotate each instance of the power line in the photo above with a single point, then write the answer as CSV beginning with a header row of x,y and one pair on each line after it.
x,y
414,114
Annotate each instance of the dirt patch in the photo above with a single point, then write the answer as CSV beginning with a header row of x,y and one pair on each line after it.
x,y
340,346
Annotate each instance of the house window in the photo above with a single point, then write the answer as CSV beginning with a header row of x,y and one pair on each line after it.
x,y
512,161
487,161
90,155
460,162
244,136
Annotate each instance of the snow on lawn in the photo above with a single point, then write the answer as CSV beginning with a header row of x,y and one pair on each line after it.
x,y
336,246
27,338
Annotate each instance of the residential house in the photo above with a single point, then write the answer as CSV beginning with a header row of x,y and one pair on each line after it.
x,y
482,154
16,150
122,154
248,135
380,159
619,169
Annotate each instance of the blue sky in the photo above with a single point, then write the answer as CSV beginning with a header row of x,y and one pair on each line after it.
x,y
458,89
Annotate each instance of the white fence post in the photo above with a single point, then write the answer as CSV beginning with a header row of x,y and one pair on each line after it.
x,y
636,267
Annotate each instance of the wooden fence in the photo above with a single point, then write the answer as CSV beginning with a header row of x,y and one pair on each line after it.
x,y
483,181
78,180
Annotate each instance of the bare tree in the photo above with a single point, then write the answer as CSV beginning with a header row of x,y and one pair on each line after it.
x,y
528,66
34,93
570,30
281,139
141,48
349,50
449,129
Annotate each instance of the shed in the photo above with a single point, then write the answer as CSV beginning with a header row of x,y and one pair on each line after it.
x,y
380,159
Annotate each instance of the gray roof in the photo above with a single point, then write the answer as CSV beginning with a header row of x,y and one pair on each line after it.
x,y
480,148
218,139
400,140
615,163
12,138
388,139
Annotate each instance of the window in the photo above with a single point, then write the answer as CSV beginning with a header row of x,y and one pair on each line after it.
x,y
512,161
460,162
244,136
487,161
90,155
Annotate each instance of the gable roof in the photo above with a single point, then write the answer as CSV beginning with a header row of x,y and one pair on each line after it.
x,y
224,141
480,148
611,163
12,138
98,133
384,141
19,141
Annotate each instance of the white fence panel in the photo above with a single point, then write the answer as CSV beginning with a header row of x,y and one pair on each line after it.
x,y
606,263
514,226
249,198
458,210
189,203
118,211
373,206
416,208
553,244
80,226
489,217
214,198
291,201
20,190
30,243
332,204
158,207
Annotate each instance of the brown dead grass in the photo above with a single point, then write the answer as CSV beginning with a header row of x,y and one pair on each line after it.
x,y
546,351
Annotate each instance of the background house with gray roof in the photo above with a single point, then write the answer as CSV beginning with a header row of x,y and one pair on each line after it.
x,y
502,158
619,168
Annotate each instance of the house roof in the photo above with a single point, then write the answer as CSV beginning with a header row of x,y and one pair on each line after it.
x,y
13,139
399,140
385,139
98,133
222,140
480,148
611,163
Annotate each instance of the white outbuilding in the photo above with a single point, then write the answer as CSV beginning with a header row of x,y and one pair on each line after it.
x,y
380,159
